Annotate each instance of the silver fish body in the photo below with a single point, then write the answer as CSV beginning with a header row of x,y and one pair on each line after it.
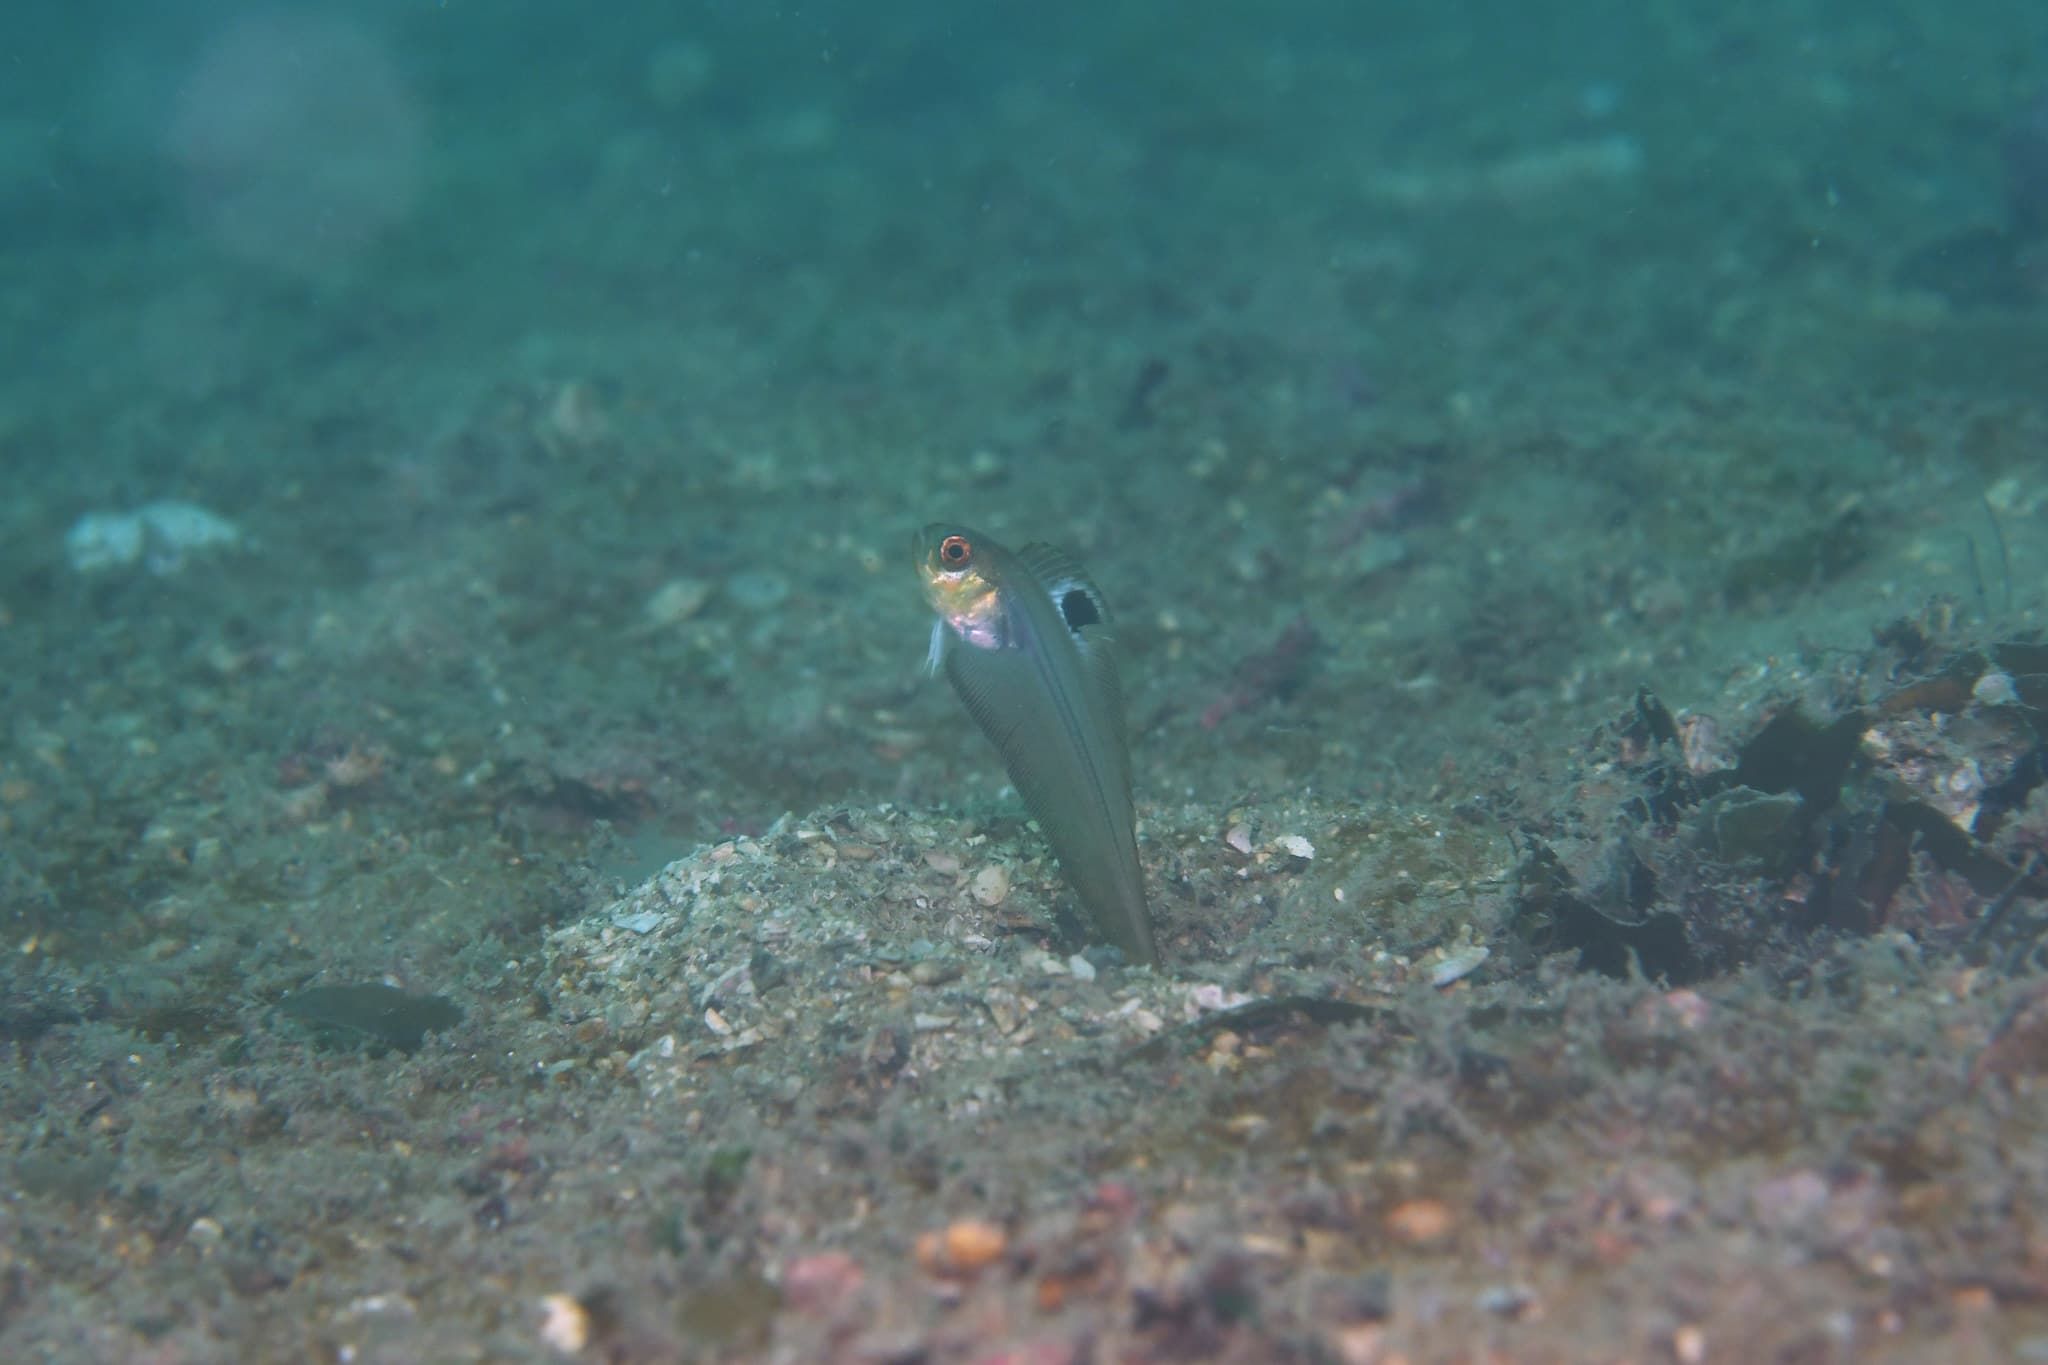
x,y
1024,638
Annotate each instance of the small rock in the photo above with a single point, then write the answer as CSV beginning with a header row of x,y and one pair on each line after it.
x,y
1208,996
757,589
1459,963
674,602
964,1248
1789,1200
1005,1008
161,536
2019,1044
565,1323
1423,1222
1508,1300
575,417
817,1284
1995,689
991,885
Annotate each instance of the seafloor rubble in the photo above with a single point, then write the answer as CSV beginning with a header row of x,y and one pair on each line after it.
x,y
1728,1043
1735,1056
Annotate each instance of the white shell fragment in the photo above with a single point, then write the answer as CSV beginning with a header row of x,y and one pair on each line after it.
x,y
1995,689
991,885
564,1324
1294,846
160,536
675,602
1459,963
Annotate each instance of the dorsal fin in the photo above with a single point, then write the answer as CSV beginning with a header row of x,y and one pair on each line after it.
x,y
1062,578
1098,653
1080,604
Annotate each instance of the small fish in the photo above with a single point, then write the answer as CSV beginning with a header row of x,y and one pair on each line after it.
x,y
1024,637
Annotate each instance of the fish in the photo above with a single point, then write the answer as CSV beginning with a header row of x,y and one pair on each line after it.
x,y
1024,637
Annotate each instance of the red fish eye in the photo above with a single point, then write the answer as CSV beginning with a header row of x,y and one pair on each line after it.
x,y
955,550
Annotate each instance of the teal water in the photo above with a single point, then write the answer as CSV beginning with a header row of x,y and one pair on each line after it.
x,y
458,457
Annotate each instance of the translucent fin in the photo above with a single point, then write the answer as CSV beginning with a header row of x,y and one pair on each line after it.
x,y
999,691
1098,661
1059,575
1064,750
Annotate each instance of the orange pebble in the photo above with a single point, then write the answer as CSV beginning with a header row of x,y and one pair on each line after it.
x,y
971,1245
1421,1222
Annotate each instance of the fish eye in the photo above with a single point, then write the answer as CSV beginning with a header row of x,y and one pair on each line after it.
x,y
955,551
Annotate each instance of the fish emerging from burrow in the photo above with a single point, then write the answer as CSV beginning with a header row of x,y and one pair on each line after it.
x,y
1024,637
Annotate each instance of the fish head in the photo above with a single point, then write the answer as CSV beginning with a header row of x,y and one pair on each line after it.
x,y
960,571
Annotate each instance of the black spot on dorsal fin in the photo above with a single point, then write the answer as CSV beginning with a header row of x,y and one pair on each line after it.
x,y
1072,591
1079,608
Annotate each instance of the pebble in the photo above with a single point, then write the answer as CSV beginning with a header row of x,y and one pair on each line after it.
x,y
565,1323
1995,689
1209,996
1005,1009
675,601
966,1247
1508,1300
1359,1343
818,1283
757,589
973,1245
1039,960
575,417
1423,1222
1459,963
1787,1201
991,885
160,536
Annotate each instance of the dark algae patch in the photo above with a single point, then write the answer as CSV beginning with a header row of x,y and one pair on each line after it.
x,y
374,1013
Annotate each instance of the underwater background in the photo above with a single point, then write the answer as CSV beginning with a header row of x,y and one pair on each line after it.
x,y
485,876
